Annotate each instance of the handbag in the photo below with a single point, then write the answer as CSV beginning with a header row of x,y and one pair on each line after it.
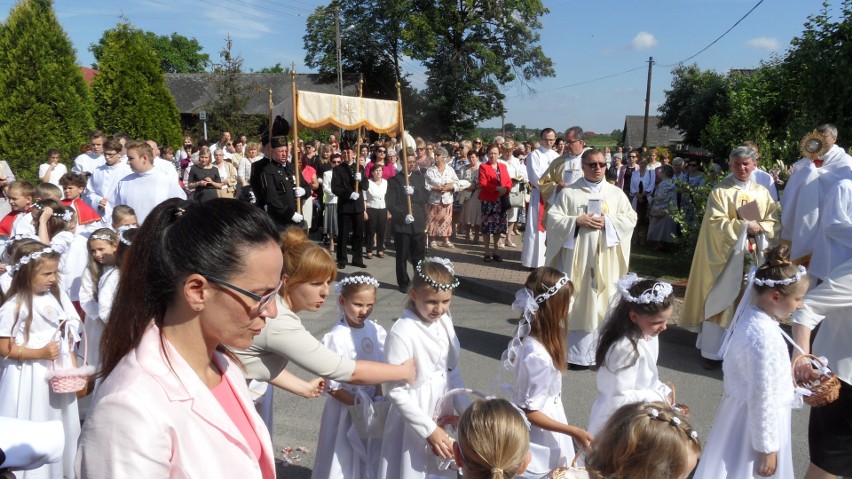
x,y
369,416
505,203
516,199
66,378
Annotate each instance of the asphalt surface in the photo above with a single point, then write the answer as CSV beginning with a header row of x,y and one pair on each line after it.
x,y
484,327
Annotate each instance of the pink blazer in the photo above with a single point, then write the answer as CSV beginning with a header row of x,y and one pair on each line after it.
x,y
155,418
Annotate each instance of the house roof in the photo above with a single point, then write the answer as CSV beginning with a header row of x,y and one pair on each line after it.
x,y
194,91
89,74
657,135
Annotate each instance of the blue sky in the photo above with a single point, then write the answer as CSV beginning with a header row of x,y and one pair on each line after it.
x,y
587,40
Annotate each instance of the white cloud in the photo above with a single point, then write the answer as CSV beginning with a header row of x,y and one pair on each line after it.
x,y
643,41
764,43
247,26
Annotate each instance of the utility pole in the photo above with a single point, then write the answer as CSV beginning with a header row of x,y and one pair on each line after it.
x,y
647,102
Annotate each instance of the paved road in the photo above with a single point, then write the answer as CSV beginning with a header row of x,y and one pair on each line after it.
x,y
484,328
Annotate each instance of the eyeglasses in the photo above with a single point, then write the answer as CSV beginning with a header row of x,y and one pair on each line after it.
x,y
421,149
262,301
571,142
110,153
593,165
383,151
477,142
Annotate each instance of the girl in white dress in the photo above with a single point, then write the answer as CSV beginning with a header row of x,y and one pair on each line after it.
x,y
626,358
39,326
751,433
535,361
340,451
413,443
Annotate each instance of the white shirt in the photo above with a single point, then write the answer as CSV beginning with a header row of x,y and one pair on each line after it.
x,y
834,243
57,173
87,162
538,162
375,195
330,199
102,183
166,167
144,191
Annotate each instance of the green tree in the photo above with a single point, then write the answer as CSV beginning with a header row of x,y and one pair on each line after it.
x,y
695,96
45,102
226,108
130,91
477,47
177,53
277,68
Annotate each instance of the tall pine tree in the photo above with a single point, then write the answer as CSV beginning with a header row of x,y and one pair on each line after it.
x,y
45,102
130,92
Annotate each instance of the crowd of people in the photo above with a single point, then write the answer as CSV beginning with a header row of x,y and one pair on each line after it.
x,y
173,281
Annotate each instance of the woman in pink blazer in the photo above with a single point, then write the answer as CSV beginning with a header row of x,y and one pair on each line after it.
x,y
173,402
494,182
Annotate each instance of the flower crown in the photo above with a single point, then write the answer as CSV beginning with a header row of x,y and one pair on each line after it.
x,y
19,237
25,260
453,284
782,282
356,279
121,231
656,294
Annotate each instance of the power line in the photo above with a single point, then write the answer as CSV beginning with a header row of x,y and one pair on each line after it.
x,y
584,82
717,39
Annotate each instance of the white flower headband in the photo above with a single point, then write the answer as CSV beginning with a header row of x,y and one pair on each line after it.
x,y
104,237
782,282
453,284
656,294
674,421
121,231
356,279
19,237
66,215
527,304
27,258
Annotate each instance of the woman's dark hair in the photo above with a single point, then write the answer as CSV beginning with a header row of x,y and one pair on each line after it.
x,y
777,267
178,238
618,324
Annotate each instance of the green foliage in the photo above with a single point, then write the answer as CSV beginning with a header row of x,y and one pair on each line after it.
x,y
130,92
476,47
177,53
277,68
689,217
45,102
694,98
225,109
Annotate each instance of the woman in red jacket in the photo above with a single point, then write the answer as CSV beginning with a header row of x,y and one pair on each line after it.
x,y
494,182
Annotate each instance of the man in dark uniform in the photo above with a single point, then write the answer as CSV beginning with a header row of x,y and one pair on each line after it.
x,y
273,183
409,230
350,209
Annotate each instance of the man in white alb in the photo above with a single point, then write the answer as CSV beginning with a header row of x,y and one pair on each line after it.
x,y
165,166
105,178
87,162
809,184
147,186
567,168
532,255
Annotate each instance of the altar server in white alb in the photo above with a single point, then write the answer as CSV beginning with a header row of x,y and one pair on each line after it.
x,y
105,178
834,241
532,255
626,358
147,186
751,435
589,229
341,452
567,168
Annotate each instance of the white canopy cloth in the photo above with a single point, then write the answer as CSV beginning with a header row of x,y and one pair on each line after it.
x,y
317,110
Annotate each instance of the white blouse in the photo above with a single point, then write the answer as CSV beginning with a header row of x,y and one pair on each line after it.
x,y
436,178
375,195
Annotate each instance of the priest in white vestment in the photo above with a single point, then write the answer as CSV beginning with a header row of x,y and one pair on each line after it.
x,y
566,169
147,186
590,226
834,241
532,255
805,193
740,222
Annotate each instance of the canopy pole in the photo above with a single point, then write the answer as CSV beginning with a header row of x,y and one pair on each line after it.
x,y
358,145
404,147
296,137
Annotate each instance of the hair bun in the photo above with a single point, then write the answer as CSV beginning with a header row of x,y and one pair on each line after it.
x,y
292,237
778,256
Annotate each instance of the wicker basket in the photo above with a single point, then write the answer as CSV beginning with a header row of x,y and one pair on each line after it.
x,y
73,379
825,392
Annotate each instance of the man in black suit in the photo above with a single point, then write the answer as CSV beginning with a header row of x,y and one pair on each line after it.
x,y
273,184
350,209
409,230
